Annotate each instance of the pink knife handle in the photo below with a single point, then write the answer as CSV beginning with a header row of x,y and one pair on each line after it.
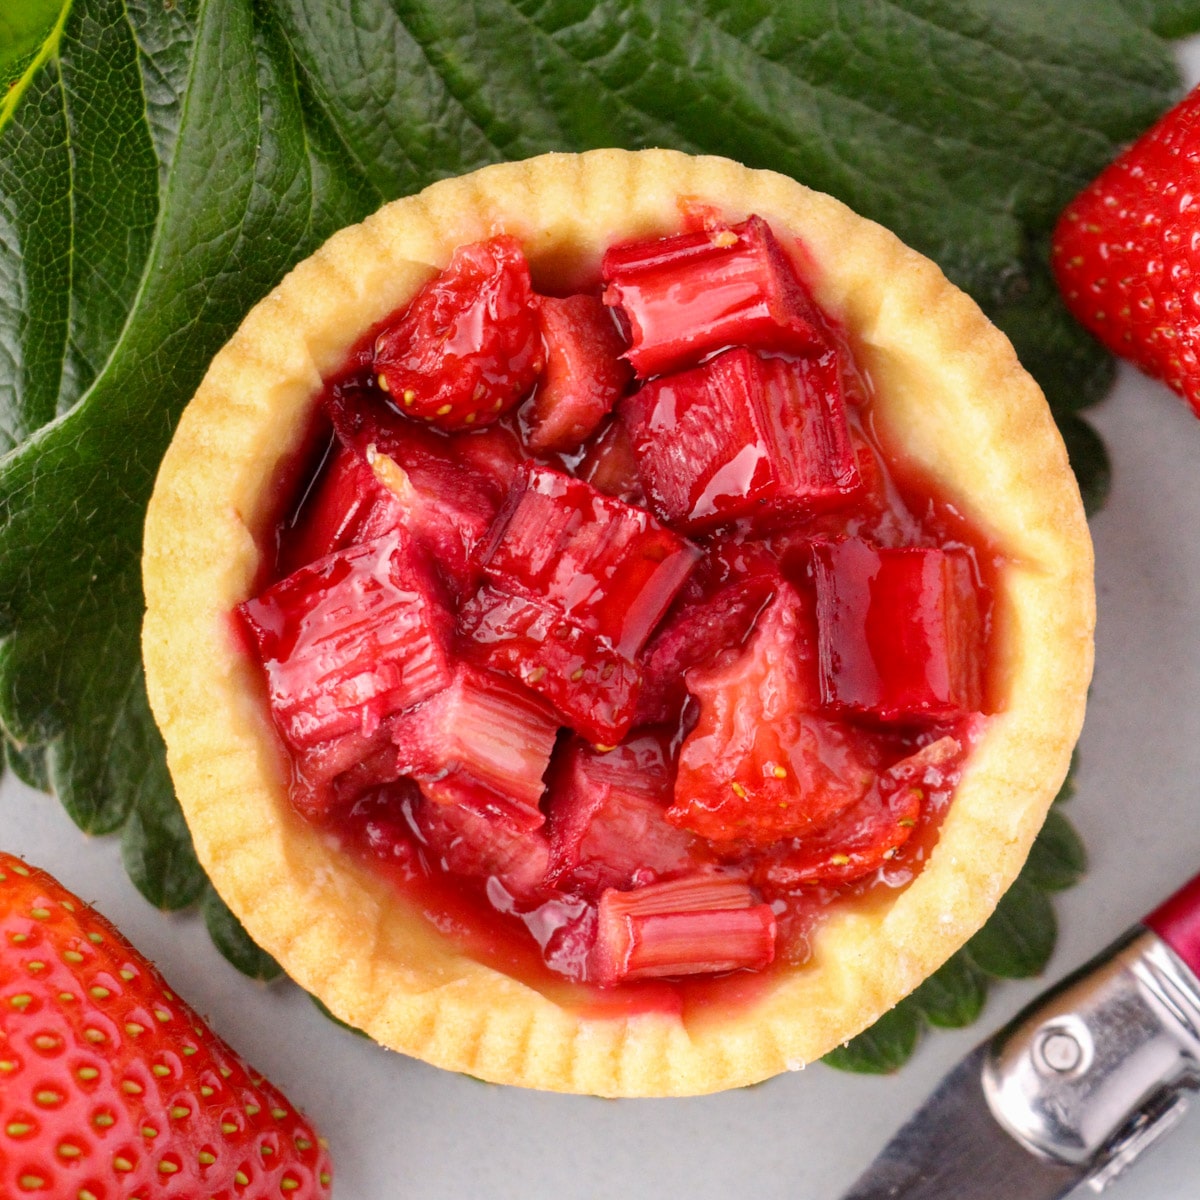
x,y
1177,922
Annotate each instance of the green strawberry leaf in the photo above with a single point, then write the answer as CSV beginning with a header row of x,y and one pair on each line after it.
x,y
1058,859
1168,18
162,166
1089,459
324,1010
886,1046
234,942
954,995
25,28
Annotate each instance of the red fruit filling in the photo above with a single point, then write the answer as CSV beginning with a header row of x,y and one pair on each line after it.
x,y
480,736
607,817
576,580
641,678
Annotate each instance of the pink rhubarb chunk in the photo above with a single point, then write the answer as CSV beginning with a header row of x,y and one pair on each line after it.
x,y
350,639
481,738
575,582
592,687
697,924
685,297
901,631
606,816
742,436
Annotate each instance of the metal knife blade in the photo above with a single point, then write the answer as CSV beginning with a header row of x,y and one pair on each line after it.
x,y
1075,1088
953,1149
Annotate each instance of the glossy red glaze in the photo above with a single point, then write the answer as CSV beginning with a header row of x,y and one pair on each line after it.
x,y
1177,922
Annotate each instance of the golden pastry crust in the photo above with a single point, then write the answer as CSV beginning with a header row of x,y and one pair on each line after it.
x,y
950,392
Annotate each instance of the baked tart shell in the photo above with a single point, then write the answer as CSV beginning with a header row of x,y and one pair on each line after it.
x,y
950,394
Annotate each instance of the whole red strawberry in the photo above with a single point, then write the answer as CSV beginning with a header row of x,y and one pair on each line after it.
x,y
110,1086
1126,252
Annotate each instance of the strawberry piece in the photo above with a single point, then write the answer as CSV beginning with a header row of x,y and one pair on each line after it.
x,y
759,764
606,566
901,631
349,640
862,839
743,436
480,738
584,375
1126,253
683,297
469,346
697,924
346,505
592,687
110,1085
606,816
695,634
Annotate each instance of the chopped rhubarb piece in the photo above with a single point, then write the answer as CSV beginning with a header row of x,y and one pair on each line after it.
x,y
686,296
469,346
606,816
759,764
447,490
350,639
333,774
481,731
346,505
697,924
863,838
606,566
592,687
609,466
584,375
476,838
742,436
694,635
901,631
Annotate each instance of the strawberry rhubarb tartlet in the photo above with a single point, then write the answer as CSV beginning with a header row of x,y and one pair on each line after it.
x,y
617,621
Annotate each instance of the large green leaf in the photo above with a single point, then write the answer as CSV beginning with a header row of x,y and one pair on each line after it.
x,y
163,164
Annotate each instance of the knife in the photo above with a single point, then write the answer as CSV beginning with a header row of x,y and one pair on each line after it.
x,y
1074,1089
